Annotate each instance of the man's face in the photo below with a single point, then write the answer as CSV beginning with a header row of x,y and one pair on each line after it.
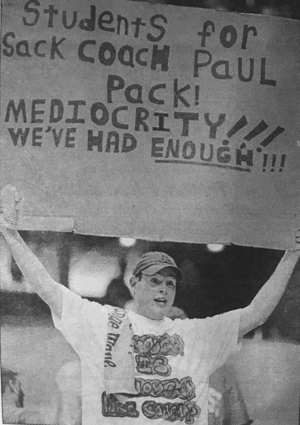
x,y
154,295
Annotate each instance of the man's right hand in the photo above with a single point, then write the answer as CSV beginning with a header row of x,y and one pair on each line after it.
x,y
10,205
33,270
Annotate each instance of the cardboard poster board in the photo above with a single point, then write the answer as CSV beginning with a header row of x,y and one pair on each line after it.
x,y
158,122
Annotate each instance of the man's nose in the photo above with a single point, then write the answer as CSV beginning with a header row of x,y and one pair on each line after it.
x,y
163,288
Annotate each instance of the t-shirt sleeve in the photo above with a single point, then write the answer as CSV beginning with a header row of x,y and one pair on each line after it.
x,y
80,320
222,337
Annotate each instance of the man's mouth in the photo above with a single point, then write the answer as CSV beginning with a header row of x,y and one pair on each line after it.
x,y
160,301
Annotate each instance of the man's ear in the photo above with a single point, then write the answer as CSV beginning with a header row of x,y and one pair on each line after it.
x,y
133,281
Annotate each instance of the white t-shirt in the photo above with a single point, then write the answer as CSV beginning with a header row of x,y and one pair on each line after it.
x,y
173,362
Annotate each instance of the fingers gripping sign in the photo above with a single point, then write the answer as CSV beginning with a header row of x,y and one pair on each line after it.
x,y
297,240
10,207
32,269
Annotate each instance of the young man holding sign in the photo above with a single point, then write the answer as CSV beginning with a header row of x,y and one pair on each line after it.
x,y
139,366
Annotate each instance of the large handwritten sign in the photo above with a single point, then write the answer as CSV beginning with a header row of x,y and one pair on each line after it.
x,y
153,121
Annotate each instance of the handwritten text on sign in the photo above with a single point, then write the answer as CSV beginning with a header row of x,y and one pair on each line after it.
x,y
174,86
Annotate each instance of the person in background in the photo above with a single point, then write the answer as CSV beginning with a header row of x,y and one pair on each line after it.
x,y
14,410
226,405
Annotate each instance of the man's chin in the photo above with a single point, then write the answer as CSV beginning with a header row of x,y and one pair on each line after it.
x,y
161,311
154,314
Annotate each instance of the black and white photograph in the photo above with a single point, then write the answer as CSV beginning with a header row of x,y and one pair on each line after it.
x,y
150,212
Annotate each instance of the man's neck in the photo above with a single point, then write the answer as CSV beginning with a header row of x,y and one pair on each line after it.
x,y
135,308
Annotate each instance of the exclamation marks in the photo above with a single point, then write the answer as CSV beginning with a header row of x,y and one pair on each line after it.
x,y
282,162
265,160
274,161
262,126
197,93
270,138
242,122
278,130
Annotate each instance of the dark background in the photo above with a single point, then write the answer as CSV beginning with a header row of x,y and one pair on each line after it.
x,y
284,8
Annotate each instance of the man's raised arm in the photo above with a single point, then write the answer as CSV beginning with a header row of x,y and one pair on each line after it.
x,y
32,269
269,295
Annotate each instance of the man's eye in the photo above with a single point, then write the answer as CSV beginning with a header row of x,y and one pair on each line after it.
x,y
155,281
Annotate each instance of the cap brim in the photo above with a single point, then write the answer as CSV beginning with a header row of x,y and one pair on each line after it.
x,y
151,270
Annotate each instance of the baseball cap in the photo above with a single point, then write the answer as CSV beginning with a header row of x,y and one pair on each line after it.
x,y
152,262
